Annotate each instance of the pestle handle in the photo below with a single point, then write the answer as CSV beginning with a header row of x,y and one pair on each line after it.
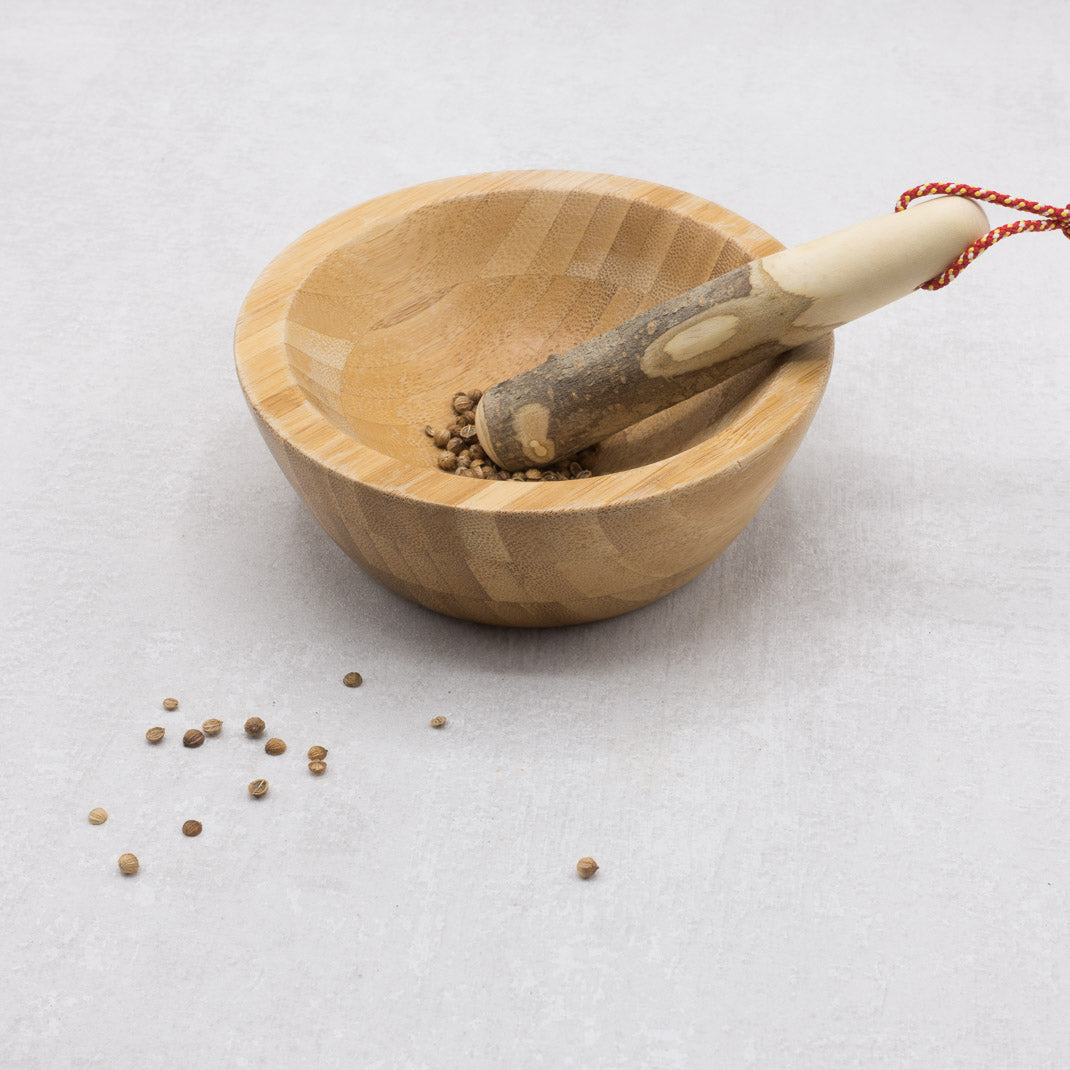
x,y
718,329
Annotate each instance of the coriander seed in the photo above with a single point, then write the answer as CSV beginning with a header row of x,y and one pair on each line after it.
x,y
317,754
258,788
586,867
429,431
254,727
473,462
170,703
275,746
212,727
128,863
352,679
194,737
154,735
317,768
438,722
191,828
447,461
98,815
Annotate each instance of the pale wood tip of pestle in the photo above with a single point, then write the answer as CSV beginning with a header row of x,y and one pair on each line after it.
x,y
483,432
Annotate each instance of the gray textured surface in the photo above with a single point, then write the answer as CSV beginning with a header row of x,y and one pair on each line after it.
x,y
826,782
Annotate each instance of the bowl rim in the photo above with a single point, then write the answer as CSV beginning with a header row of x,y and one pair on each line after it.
x,y
773,408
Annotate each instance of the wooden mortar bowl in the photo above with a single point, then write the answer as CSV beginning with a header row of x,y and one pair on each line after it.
x,y
358,334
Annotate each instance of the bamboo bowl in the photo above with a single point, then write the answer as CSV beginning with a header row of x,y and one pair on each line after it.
x,y
359,333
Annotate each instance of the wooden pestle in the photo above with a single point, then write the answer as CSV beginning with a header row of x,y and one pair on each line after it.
x,y
718,329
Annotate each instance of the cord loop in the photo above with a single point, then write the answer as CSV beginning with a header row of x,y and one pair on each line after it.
x,y
1052,218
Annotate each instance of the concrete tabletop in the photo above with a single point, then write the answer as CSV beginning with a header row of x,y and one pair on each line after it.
x,y
826,782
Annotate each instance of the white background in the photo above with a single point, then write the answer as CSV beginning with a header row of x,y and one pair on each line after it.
x,y
826,782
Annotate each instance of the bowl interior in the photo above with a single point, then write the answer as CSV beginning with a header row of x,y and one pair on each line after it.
x,y
469,290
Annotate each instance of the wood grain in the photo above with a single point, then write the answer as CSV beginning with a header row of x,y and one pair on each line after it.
x,y
358,334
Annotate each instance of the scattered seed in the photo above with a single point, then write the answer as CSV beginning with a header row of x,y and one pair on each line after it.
x,y
254,727
317,754
128,864
438,722
317,768
194,737
191,828
170,703
212,727
442,439
447,461
98,815
352,679
461,404
586,867
475,395
154,735
275,746
429,431
258,787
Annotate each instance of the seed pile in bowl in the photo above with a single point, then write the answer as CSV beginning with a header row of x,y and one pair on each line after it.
x,y
460,451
